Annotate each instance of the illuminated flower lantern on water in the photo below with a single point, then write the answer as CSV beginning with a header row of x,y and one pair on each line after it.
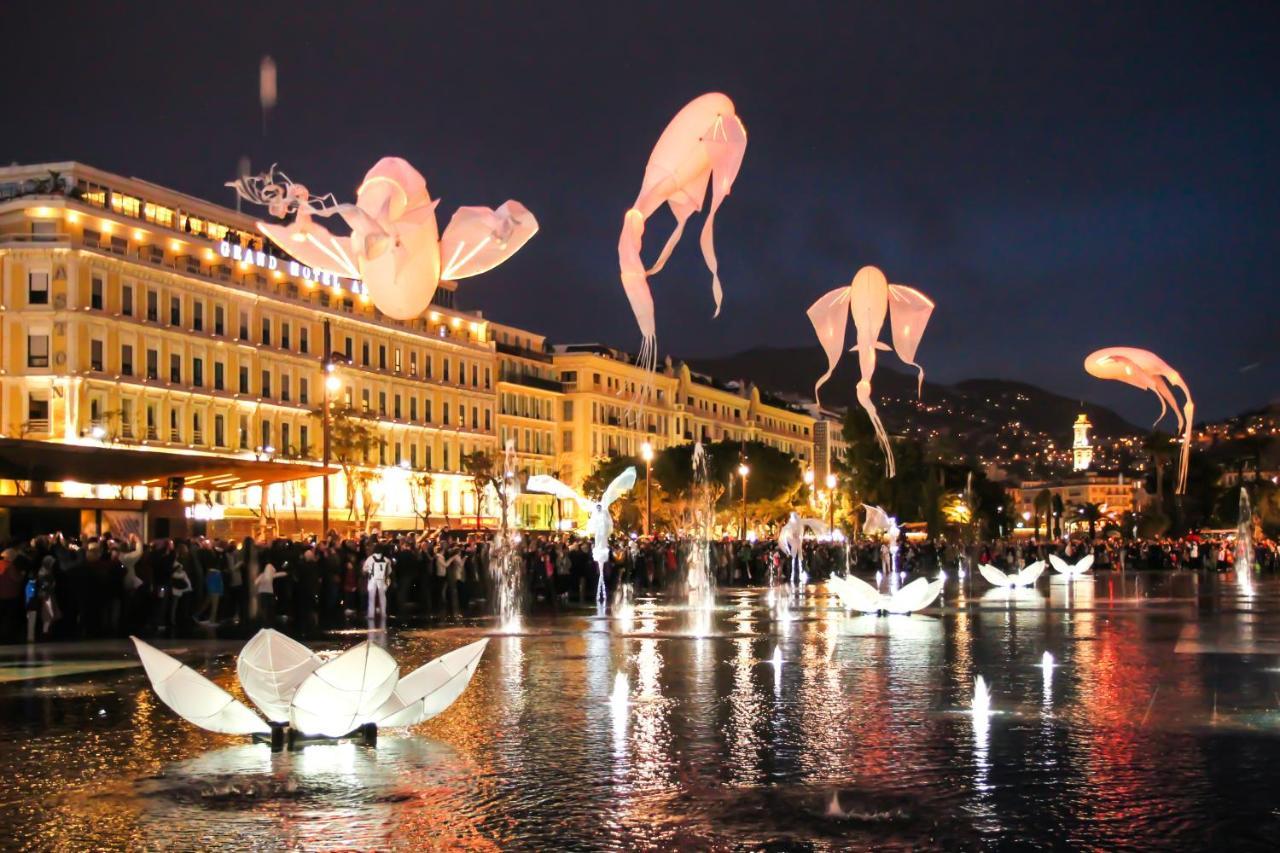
x,y
1027,576
395,248
1071,570
704,144
856,594
868,299
1148,372
304,694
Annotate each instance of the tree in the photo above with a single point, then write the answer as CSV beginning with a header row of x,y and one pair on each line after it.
x,y
1091,513
480,466
352,438
488,472
773,483
1044,506
1159,446
420,488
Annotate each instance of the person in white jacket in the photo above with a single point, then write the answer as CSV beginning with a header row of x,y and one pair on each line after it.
x,y
377,570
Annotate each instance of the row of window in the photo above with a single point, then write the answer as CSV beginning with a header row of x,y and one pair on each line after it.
x,y
270,332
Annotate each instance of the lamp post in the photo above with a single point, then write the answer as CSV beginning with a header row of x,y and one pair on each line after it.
x,y
808,481
331,385
831,502
646,452
743,471
1000,520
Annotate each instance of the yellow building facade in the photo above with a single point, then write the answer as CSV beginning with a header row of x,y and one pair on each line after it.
x,y
138,317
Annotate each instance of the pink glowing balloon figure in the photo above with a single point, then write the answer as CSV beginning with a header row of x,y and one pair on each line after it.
x,y
1148,372
395,247
703,144
868,299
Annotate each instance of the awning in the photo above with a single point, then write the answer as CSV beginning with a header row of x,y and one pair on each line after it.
x,y
24,459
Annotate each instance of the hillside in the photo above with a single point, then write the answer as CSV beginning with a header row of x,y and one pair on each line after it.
x,y
1019,426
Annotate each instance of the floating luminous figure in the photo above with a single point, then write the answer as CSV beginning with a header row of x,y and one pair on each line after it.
x,y
599,522
290,684
1078,570
1024,577
868,298
791,542
1148,372
856,594
395,247
703,144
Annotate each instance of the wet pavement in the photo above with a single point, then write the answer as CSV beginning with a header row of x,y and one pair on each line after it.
x,y
1155,729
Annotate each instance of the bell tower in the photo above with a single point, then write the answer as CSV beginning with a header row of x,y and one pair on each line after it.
x,y
1081,449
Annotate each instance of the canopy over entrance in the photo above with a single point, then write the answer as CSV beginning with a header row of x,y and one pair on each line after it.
x,y
23,459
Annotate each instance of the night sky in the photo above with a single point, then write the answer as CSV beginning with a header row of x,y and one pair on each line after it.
x,y
1057,177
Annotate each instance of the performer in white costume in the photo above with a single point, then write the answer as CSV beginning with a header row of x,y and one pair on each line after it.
x,y
377,569
599,523
791,542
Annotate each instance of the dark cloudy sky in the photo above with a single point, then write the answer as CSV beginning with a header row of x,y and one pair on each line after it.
x,y
1058,177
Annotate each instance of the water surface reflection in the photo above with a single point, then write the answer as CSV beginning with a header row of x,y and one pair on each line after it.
x,y
1155,723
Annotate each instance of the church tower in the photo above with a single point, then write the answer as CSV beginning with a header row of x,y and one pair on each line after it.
x,y
1081,449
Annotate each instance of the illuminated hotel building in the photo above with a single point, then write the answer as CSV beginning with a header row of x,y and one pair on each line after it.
x,y
158,342
135,316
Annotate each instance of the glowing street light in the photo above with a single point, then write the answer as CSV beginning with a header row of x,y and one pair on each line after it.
x,y
743,471
332,384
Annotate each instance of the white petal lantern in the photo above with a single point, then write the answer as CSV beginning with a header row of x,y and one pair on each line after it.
x,y
291,685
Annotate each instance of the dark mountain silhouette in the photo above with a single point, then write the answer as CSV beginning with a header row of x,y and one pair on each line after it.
x,y
991,419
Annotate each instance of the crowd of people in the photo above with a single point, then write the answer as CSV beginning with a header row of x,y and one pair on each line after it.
x,y
52,587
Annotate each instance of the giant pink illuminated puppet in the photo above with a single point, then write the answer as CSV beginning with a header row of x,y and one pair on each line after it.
x,y
395,247
703,144
1149,372
868,298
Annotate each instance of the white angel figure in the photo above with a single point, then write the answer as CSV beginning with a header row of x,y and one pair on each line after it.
x,y
791,542
292,686
1079,570
880,523
856,594
599,522
1024,577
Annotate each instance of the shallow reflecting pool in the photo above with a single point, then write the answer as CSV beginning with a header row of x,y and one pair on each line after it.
x,y
771,721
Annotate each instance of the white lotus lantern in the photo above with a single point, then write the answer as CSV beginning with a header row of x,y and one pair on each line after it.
x,y
1009,580
856,594
1072,572
295,688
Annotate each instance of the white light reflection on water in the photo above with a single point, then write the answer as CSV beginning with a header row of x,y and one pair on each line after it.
x,y
650,734
746,715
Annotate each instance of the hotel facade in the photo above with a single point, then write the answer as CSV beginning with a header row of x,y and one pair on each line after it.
x,y
159,342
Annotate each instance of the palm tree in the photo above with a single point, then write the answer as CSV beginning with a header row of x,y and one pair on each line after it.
x,y
1091,513
1043,504
1159,446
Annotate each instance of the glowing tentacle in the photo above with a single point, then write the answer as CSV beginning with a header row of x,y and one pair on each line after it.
x,y
830,318
726,146
864,399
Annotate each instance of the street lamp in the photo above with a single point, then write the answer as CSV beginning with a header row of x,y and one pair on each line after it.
x,y
1000,520
646,453
743,471
331,386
